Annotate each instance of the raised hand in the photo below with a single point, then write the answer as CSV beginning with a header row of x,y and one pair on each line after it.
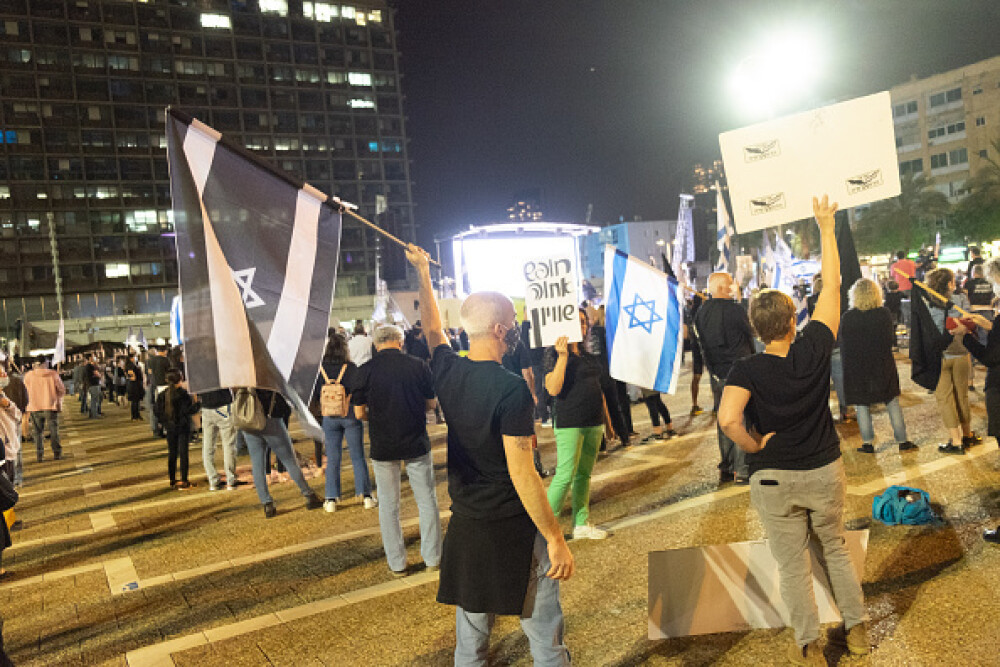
x,y
824,211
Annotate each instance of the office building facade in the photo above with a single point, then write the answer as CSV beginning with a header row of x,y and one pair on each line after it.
x,y
313,88
944,124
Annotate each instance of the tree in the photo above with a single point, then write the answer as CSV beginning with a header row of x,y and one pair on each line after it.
x,y
978,215
891,224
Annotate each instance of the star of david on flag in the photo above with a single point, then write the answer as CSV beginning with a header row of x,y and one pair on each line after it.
x,y
644,322
634,317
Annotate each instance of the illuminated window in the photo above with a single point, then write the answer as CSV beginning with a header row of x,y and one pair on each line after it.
x,y
279,7
215,21
140,221
320,11
347,12
359,79
4,192
361,103
336,78
116,270
375,16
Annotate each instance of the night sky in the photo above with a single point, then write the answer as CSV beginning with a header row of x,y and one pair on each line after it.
x,y
612,102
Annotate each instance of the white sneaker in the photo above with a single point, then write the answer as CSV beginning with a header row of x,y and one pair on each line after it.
x,y
370,502
330,506
589,533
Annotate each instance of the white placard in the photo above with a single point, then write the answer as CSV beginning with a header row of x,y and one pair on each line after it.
x,y
550,299
845,150
731,588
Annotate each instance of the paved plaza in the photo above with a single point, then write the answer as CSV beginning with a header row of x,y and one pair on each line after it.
x,y
113,567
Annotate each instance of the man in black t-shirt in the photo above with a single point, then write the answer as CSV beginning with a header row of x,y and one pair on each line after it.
x,y
797,479
504,552
393,390
724,332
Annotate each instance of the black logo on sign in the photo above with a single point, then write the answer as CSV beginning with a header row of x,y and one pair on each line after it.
x,y
866,181
761,151
767,203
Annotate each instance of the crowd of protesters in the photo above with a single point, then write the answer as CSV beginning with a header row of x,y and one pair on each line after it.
x,y
770,380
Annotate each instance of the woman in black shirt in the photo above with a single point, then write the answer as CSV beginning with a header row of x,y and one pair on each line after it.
x,y
573,377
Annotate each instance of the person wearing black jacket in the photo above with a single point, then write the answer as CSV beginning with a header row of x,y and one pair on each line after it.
x,y
275,437
723,330
174,408
134,389
988,354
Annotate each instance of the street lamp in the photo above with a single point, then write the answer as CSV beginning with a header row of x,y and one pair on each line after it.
x,y
779,75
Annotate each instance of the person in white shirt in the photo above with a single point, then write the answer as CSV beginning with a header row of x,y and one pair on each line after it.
x,y
360,344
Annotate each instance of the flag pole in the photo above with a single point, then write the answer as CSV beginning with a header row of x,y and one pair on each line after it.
x,y
346,207
922,285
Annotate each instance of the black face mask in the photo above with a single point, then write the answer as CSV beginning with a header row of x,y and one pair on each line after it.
x,y
511,337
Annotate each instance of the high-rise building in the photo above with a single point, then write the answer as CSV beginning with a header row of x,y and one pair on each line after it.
x,y
944,124
314,88
526,206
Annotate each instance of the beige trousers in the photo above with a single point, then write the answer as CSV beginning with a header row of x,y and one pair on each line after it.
x,y
952,393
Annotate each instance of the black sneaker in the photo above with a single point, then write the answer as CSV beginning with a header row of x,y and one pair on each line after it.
x,y
948,448
269,511
971,440
867,448
313,502
725,477
992,536
907,447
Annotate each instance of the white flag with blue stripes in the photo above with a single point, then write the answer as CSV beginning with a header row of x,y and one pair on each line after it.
x,y
644,322
725,234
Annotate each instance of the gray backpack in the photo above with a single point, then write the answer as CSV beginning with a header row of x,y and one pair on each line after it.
x,y
248,412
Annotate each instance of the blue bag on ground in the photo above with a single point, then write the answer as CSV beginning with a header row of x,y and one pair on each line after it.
x,y
903,505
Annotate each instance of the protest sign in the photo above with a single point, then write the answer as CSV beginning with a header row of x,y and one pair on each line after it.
x,y
550,300
731,588
845,150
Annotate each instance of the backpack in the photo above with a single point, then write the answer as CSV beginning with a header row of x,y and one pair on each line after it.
x,y
903,505
248,412
333,398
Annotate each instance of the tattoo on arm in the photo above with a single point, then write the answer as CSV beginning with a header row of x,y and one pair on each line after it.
x,y
523,442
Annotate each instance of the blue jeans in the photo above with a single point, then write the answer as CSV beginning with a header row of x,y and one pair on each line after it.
x,y
732,459
274,436
541,620
837,373
895,417
38,420
420,472
334,431
96,395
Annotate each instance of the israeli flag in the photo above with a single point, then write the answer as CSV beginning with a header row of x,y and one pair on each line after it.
x,y
645,323
176,320
725,232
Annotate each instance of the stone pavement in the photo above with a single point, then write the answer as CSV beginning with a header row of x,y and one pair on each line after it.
x,y
113,567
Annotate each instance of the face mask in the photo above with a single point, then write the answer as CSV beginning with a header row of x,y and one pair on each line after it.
x,y
511,337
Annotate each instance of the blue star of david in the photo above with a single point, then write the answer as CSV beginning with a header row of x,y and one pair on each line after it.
x,y
634,321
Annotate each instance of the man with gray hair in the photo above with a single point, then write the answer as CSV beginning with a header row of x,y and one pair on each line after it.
x,y
504,552
724,332
393,391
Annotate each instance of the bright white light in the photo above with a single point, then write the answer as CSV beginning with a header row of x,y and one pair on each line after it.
x,y
781,74
361,104
215,21
494,264
359,79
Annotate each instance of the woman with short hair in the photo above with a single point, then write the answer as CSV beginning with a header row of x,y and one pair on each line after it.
x,y
867,335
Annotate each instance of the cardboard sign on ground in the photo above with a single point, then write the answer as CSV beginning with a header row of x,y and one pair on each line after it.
x,y
730,588
845,150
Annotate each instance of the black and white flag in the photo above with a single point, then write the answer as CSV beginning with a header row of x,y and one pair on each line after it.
x,y
257,257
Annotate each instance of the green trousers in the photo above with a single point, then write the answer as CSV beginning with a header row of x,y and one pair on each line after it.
x,y
577,451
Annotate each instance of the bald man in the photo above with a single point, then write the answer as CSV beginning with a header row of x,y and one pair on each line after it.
x,y
504,552
725,335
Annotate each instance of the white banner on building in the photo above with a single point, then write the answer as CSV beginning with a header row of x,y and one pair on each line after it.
x,y
551,299
845,150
